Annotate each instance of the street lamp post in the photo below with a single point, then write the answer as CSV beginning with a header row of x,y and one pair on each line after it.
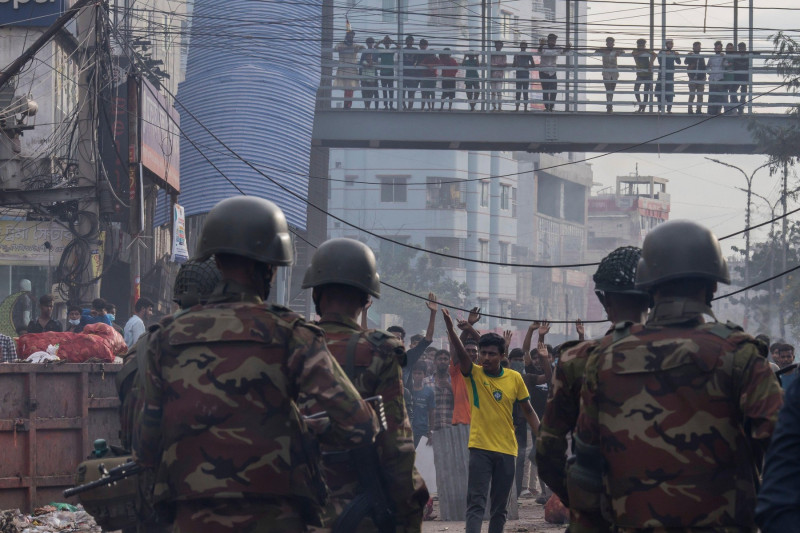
x,y
749,191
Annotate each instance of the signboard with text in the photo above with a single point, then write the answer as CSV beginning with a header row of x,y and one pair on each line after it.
x,y
30,12
160,148
22,242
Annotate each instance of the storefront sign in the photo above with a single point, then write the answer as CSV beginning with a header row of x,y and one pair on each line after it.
x,y
23,242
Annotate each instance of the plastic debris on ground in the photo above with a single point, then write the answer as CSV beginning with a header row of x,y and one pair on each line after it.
x,y
47,519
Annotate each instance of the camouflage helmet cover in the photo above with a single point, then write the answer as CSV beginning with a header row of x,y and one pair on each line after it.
x,y
344,262
195,282
617,271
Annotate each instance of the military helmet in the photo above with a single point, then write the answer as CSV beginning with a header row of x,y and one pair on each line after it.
x,y
249,227
680,249
345,262
195,282
617,271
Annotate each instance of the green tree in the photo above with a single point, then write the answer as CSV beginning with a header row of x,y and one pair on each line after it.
x,y
418,273
773,307
782,144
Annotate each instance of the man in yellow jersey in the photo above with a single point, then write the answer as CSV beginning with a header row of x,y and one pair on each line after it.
x,y
493,391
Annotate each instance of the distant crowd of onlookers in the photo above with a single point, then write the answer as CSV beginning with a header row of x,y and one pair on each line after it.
x,y
373,68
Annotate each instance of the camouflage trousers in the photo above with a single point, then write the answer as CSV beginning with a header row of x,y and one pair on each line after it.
x,y
240,516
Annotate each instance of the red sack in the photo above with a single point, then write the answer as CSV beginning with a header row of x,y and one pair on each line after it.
x,y
73,347
111,336
555,512
38,342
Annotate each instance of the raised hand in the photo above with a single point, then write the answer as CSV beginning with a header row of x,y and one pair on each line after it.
x,y
580,329
463,325
474,315
533,326
432,302
544,329
541,351
448,321
507,334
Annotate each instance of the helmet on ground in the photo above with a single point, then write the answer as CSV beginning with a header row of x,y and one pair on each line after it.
x,y
617,271
680,249
344,262
249,227
195,282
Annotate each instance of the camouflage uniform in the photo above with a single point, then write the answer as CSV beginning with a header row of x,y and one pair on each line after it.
x,y
559,420
219,419
682,411
375,371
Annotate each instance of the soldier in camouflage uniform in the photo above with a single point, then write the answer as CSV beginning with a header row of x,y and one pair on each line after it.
x,y
343,277
219,420
626,308
676,416
193,284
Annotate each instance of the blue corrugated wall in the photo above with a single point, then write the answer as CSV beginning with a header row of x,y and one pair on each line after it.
x,y
251,78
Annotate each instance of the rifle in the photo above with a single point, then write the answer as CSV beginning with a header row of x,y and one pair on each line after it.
x,y
108,477
372,500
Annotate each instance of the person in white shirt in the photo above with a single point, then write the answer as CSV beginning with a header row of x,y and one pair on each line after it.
x,y
549,53
135,328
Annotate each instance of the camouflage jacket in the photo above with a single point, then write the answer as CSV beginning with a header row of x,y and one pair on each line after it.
x,y
375,371
561,416
682,411
218,416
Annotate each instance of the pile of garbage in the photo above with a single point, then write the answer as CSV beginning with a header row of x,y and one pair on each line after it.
x,y
53,517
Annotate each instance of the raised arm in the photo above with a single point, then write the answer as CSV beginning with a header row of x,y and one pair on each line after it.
x,y
544,361
433,306
467,331
464,362
526,343
544,329
580,329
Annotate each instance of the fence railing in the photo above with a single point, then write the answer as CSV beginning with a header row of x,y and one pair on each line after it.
x,y
415,80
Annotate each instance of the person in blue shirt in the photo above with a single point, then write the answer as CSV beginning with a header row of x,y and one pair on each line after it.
x,y
96,315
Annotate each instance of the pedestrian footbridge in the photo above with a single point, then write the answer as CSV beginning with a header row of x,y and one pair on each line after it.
x,y
638,118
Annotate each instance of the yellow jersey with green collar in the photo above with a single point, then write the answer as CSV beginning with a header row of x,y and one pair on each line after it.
x,y
491,399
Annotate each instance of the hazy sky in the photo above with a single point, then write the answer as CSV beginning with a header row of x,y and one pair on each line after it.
x,y
701,190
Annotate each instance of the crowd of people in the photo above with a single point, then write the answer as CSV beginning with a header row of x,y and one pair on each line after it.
x,y
246,417
100,312
372,69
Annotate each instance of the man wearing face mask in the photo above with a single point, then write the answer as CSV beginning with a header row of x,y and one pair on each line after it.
x,y
218,418
74,320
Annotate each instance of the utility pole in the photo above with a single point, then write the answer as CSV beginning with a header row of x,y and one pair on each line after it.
x,y
735,22
784,229
89,29
749,191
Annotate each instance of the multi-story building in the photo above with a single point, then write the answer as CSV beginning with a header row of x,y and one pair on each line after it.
x,y
483,206
622,216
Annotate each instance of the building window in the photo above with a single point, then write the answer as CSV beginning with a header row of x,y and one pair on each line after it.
x,y
505,24
447,245
484,194
393,189
505,197
484,250
514,202
442,193
504,252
